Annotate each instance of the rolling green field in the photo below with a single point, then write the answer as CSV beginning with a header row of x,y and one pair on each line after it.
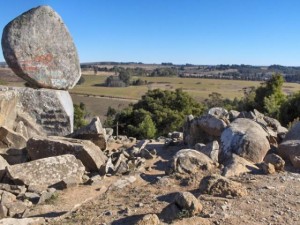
x,y
196,87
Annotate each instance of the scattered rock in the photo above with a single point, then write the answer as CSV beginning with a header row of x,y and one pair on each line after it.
x,y
189,161
150,219
276,161
187,201
268,168
93,132
121,183
43,59
14,156
203,129
293,133
11,139
245,138
43,111
3,165
233,114
220,186
47,171
89,154
211,150
237,165
23,221
290,150
192,221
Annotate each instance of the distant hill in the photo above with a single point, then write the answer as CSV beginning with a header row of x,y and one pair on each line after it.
x,y
234,72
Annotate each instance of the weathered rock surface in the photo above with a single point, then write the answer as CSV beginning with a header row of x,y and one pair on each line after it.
x,y
14,156
293,133
88,153
220,186
187,201
189,161
150,219
23,221
237,166
211,150
93,132
276,161
43,111
203,129
268,168
219,112
192,221
48,171
245,138
290,150
11,139
3,165
38,48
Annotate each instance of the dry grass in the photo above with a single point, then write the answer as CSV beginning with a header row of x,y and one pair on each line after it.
x,y
196,87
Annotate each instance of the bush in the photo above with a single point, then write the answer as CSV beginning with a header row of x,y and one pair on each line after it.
x,y
158,112
80,114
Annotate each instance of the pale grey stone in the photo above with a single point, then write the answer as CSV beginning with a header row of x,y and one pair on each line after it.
x,y
38,48
43,111
88,153
47,171
245,138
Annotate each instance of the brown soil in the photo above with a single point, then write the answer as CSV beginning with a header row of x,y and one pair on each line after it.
x,y
272,199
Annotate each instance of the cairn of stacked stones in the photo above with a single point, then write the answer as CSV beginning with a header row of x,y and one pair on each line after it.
x,y
38,47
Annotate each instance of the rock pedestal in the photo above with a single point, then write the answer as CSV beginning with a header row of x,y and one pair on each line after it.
x,y
42,111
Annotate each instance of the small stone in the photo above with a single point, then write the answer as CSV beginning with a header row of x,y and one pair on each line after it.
x,y
268,168
150,219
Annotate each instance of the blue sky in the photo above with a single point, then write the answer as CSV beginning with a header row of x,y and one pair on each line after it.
x,y
257,32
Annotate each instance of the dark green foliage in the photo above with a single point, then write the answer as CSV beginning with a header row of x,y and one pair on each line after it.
x,y
269,96
139,82
80,114
160,112
164,72
290,109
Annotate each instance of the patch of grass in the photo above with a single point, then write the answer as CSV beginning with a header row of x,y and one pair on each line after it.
x,y
196,87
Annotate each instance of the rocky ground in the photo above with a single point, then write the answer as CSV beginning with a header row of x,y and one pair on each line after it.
x,y
271,199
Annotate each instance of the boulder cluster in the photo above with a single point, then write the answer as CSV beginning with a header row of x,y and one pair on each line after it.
x,y
39,154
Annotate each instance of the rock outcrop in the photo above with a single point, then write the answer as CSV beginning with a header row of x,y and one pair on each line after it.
x,y
93,132
11,139
189,161
245,138
203,129
47,171
88,153
38,47
42,111
220,186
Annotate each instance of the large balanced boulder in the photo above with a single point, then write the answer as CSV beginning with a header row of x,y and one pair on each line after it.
x,y
38,48
47,171
93,132
189,161
43,111
88,153
245,138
